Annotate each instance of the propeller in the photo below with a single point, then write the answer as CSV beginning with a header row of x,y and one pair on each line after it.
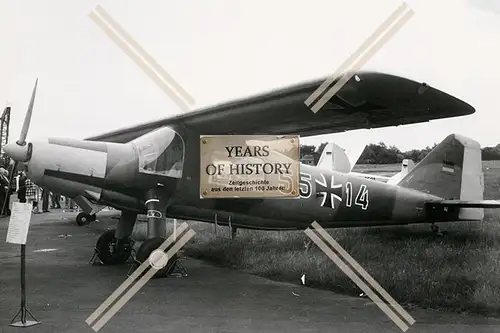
x,y
20,151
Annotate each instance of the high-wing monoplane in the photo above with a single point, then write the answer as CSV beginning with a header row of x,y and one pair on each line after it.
x,y
155,167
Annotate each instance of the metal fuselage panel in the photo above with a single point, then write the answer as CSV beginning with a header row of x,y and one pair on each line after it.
x,y
331,198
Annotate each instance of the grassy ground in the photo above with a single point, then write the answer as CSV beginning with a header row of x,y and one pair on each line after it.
x,y
460,271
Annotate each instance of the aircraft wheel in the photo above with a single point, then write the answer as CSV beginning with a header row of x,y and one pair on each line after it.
x,y
84,219
110,251
147,247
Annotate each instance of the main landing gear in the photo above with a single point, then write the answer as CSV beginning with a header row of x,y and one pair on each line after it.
x,y
112,251
116,246
164,269
156,206
84,219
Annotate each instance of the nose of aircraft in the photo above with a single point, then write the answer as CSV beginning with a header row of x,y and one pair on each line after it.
x,y
17,152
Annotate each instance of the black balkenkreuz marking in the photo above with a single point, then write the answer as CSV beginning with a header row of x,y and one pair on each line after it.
x,y
329,191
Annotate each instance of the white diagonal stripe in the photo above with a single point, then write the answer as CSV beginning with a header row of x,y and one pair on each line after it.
x,y
139,61
347,257
362,61
142,281
352,275
152,62
130,279
366,44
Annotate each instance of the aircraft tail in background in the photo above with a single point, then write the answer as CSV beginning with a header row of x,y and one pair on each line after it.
x,y
336,158
406,166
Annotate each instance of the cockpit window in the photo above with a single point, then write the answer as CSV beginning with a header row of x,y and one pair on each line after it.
x,y
161,152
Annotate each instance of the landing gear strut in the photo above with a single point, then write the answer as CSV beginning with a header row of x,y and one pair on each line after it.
x,y
156,206
156,203
84,219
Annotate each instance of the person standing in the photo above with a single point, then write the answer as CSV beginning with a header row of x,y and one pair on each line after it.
x,y
70,204
67,203
4,191
56,201
45,200
21,186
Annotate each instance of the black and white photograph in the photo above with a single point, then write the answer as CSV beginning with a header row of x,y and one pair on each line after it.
x,y
249,166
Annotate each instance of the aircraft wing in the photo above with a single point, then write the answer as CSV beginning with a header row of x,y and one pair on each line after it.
x,y
367,100
466,203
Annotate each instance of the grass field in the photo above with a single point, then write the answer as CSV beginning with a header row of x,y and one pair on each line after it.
x,y
459,271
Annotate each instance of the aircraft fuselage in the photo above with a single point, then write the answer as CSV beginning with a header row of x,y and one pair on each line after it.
x,y
106,174
331,198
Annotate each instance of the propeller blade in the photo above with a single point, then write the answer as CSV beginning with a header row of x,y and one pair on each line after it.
x,y
27,118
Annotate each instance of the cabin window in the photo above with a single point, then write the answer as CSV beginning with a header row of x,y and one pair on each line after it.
x,y
161,152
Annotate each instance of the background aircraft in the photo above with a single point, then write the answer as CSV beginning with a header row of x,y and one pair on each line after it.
x,y
154,168
334,157
337,158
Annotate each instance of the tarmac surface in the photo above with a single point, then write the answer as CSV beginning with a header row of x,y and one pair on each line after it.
x,y
63,290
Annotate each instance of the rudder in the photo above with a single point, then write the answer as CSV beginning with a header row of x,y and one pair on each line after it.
x,y
452,170
334,158
339,159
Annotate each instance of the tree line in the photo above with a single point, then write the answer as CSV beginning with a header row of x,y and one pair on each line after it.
x,y
380,153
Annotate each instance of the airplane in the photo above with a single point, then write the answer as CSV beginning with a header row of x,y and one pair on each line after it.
x,y
155,167
343,160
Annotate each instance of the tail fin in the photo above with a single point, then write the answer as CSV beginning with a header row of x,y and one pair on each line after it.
x,y
452,171
406,166
336,158
354,153
326,160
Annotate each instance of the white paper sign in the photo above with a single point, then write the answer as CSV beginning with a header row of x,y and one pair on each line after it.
x,y
19,223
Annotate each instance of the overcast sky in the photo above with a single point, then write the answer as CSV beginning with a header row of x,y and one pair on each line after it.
x,y
219,50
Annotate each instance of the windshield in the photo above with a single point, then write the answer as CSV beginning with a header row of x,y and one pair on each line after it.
x,y
161,152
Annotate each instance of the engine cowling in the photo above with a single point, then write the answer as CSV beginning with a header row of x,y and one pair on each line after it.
x,y
107,173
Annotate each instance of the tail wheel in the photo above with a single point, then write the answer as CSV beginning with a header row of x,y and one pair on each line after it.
x,y
110,251
147,247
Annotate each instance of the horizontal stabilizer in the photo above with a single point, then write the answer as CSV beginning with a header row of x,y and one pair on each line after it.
x,y
465,203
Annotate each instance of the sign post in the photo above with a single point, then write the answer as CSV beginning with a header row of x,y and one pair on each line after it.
x,y
17,234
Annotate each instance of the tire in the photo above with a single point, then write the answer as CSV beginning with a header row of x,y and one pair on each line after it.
x,y
105,254
148,246
83,219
